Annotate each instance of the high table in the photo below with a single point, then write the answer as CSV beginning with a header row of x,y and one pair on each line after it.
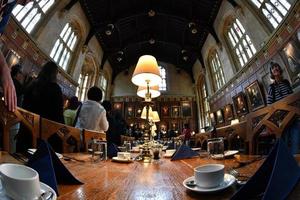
x,y
158,180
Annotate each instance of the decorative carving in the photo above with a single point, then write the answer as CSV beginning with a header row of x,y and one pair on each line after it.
x,y
295,103
278,116
257,119
7,116
28,117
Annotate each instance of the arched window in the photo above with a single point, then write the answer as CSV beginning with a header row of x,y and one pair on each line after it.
x,y
163,84
64,46
103,85
273,10
30,14
216,70
240,42
204,99
82,86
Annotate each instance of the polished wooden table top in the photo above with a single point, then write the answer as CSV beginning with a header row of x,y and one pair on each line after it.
x,y
160,179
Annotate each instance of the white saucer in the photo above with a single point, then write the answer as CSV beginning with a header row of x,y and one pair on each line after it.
x,y
228,181
196,149
44,188
116,159
169,155
32,151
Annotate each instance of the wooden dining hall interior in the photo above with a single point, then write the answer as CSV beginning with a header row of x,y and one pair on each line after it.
x,y
147,99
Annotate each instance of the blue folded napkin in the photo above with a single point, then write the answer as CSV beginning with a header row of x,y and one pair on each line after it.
x,y
112,150
275,179
51,170
184,152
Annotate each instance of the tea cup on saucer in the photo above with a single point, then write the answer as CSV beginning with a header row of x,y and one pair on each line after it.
x,y
209,176
124,155
20,182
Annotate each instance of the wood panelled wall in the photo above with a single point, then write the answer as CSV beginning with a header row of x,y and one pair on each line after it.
x,y
174,112
31,56
258,67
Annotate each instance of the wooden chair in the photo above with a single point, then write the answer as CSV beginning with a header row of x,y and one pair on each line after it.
x,y
70,137
9,119
275,118
88,135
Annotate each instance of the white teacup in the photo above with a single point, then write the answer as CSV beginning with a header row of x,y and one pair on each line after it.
x,y
209,176
135,149
124,155
20,182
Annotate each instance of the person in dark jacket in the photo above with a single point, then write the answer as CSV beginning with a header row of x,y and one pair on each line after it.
x,y
18,78
44,95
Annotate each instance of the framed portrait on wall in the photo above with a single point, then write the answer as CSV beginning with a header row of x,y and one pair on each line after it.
x,y
240,104
175,111
129,111
212,119
291,53
118,107
220,117
228,112
186,109
165,111
254,96
138,110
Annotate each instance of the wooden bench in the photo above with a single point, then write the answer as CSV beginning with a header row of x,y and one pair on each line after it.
x,y
9,119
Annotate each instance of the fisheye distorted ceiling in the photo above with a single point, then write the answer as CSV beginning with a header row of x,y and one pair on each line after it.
x,y
173,31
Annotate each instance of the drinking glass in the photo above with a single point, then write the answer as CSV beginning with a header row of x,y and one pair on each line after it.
x,y
215,148
99,150
127,145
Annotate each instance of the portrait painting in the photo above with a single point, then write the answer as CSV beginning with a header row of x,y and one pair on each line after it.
x,y
129,111
212,119
165,112
186,109
220,117
228,112
240,104
118,107
291,53
254,96
175,111
138,110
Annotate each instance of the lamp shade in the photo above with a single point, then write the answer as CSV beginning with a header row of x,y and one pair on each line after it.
x,y
154,91
146,72
155,116
144,113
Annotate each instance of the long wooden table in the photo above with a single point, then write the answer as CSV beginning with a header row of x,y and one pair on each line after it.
x,y
158,180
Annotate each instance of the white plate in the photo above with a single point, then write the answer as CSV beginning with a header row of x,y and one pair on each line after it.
x,y
196,149
169,155
226,154
32,151
44,188
116,159
230,153
228,181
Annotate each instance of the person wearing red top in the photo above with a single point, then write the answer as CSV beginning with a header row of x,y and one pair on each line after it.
x,y
187,133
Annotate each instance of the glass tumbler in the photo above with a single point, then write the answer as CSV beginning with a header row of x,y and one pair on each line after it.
x,y
215,148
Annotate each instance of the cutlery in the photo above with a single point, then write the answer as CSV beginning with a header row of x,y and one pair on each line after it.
x,y
46,195
68,158
191,183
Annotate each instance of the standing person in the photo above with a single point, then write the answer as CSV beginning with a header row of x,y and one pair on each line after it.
x,y
187,133
18,78
9,92
92,114
278,90
44,95
71,110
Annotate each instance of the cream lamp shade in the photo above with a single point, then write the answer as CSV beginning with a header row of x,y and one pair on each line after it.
x,y
155,116
146,72
144,113
154,91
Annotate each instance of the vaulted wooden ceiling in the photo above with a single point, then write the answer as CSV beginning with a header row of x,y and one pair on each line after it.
x,y
173,31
